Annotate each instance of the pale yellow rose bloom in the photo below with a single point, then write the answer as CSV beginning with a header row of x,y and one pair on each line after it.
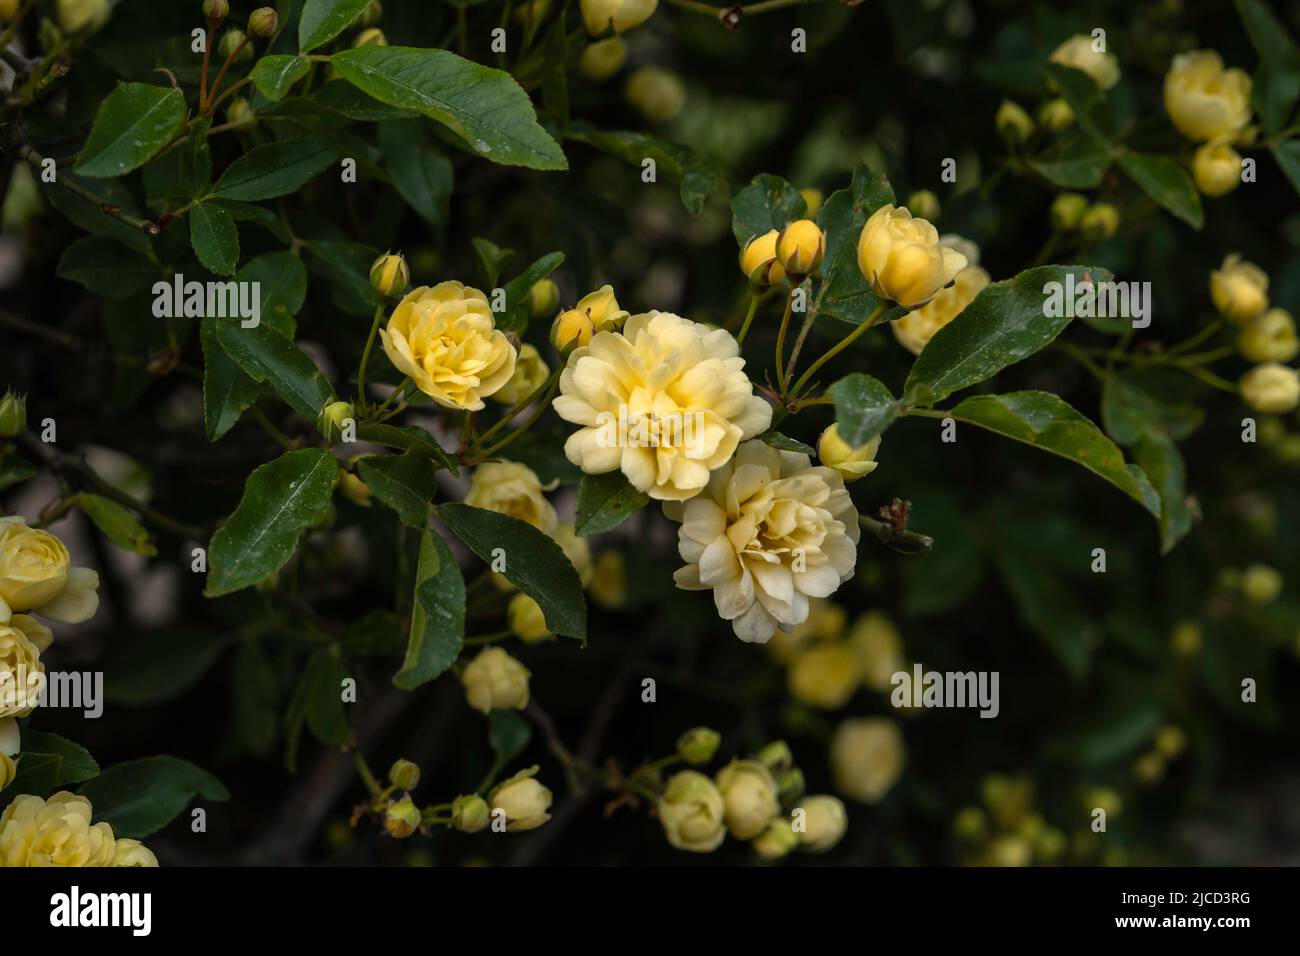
x,y
127,852
680,391
749,797
603,309
22,641
619,15
903,259
1239,289
825,676
824,825
36,575
1271,388
57,832
1270,338
769,533
1077,53
513,489
1204,100
867,758
10,746
527,620
523,800
915,330
1216,167
530,372
879,649
444,338
495,681
692,813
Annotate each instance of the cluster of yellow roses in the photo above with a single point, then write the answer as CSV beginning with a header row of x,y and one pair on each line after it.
x,y
36,578
58,832
520,802
1239,290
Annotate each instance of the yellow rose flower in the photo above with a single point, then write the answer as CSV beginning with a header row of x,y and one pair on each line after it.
x,y
512,489
915,330
1204,100
11,745
867,758
127,852
523,800
692,813
618,15
748,796
603,309
75,16
1216,167
57,832
1270,338
769,532
495,681
902,258
825,823
530,373
445,340
602,59
659,94
35,575
22,675
1077,53
879,649
824,676
812,200
848,462
758,260
681,395
527,620
1239,289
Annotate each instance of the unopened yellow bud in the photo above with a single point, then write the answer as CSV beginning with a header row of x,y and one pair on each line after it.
x,y
698,745
370,37
263,22
1149,767
1013,124
1170,741
825,823
848,462
602,59
526,620
239,112
371,14
659,94
1186,638
389,275
571,330
231,41
1216,167
543,298
495,681
924,204
355,490
970,824
600,16
778,840
333,419
216,9
812,200
758,261
529,375
469,813
1100,221
1056,115
800,247
1271,388
78,16
1261,584
13,414
404,775
1239,289
402,818
1067,211
1270,338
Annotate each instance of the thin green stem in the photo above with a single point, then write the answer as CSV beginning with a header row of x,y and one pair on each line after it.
x,y
365,358
749,318
519,406
366,774
780,341
838,348
532,420
488,638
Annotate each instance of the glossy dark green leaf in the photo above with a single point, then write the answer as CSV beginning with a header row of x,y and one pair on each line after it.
x,y
326,712
767,203
275,169
1074,161
864,408
48,763
421,174
117,522
323,20
408,437
403,482
282,287
515,317
254,699
786,443
1167,183
162,665
1158,456
215,238
273,75
697,178
133,123
844,293
267,356
281,499
1288,157
228,390
1276,86
105,267
437,616
140,797
508,735
605,502
532,562
485,107
1006,323
14,469
1139,401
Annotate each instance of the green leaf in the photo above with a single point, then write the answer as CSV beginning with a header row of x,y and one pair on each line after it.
x,y
281,499
134,122
14,469
1006,323
105,267
845,293
214,238
140,797
533,563
275,169
555,81
786,443
162,665
485,107
403,482
767,203
273,75
408,437
228,391
323,20
196,160
420,173
491,259
282,285
605,502
1045,421
1288,157
254,699
1276,85
863,408
1091,110
117,523
1158,456
48,763
326,716
515,317
697,178
346,267
1047,608
1166,183
267,356
1137,402
437,616
508,735
378,633
1075,161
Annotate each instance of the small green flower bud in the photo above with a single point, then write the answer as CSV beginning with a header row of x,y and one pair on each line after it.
x,y
1101,221
698,745
1013,123
970,824
389,275
402,818
776,756
13,414
404,775
469,813
240,112
216,9
371,37
1067,211
333,419
263,22
790,785
230,42
924,204
543,298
